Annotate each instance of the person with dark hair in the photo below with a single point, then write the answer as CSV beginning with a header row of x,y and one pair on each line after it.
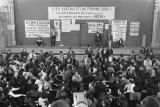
x,y
39,41
89,51
150,101
60,103
120,43
8,56
53,34
33,96
71,53
98,39
24,55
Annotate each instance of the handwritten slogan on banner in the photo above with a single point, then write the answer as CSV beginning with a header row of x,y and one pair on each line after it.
x,y
134,28
119,28
93,27
34,28
96,13
6,6
80,100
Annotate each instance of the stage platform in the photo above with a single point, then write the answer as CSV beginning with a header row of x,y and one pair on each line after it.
x,y
56,49
79,50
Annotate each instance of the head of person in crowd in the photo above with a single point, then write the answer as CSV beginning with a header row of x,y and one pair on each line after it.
x,y
150,101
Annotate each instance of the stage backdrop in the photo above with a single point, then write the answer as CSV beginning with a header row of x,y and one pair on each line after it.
x,y
75,32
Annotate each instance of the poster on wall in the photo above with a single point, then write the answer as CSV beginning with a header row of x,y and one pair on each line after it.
x,y
70,13
57,24
34,28
80,100
106,26
93,27
66,25
6,6
119,28
134,28
69,25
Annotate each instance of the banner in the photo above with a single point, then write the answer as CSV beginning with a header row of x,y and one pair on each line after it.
x,y
6,6
57,24
93,27
66,25
134,28
96,13
69,25
119,28
34,28
80,100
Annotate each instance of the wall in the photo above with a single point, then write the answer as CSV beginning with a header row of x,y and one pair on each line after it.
x,y
131,10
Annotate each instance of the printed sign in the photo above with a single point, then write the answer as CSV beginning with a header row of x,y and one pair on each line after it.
x,y
93,27
80,100
34,28
134,28
96,13
119,28
6,6
69,25
57,24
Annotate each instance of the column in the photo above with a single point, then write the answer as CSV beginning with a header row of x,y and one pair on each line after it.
x,y
156,26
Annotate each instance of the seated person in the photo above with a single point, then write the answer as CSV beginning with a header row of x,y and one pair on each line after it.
x,y
39,41
120,43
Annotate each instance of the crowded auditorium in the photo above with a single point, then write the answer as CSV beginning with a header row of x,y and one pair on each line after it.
x,y
79,53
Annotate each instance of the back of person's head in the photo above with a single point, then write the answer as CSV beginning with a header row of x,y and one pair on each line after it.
x,y
60,103
150,101
35,87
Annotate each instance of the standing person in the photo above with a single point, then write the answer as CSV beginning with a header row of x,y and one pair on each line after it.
x,y
24,55
70,53
98,39
89,51
53,34
87,64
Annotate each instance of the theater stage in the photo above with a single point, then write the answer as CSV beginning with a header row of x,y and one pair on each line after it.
x,y
79,50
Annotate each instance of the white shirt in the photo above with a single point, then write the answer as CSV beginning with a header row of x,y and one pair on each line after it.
x,y
32,55
40,85
87,61
147,63
129,87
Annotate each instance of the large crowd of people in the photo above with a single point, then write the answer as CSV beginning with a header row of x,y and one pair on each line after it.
x,y
48,80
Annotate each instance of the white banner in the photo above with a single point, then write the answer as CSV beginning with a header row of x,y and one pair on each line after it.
x,y
69,25
34,28
80,100
57,24
134,28
6,6
96,13
93,27
119,29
